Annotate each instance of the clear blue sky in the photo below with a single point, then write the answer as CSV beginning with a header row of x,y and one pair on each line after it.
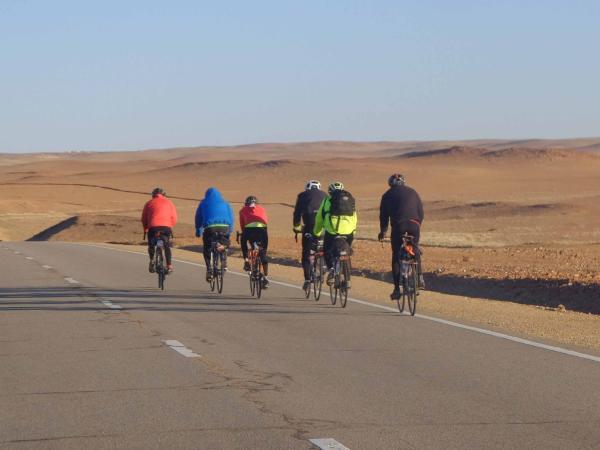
x,y
107,75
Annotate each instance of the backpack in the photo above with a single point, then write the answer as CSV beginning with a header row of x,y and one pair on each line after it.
x,y
342,203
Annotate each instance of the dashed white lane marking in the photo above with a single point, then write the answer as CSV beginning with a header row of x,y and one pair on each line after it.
x,y
110,304
71,280
507,337
17,253
47,267
328,444
182,349
30,258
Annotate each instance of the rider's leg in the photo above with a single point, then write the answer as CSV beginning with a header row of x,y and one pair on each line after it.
x,y
244,244
264,238
206,246
151,250
396,241
307,243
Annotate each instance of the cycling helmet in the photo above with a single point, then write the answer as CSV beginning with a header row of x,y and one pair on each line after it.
x,y
251,199
312,184
336,185
157,191
396,180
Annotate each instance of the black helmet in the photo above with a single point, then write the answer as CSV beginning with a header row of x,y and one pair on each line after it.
x,y
157,191
396,180
251,199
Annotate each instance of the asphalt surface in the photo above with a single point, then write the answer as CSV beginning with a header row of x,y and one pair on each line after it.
x,y
76,372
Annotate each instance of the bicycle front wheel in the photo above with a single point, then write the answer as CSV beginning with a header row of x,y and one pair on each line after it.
x,y
212,269
413,286
344,276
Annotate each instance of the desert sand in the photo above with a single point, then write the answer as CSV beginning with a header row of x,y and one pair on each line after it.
x,y
516,222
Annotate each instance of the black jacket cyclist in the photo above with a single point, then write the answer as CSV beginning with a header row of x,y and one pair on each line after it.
x,y
307,205
401,207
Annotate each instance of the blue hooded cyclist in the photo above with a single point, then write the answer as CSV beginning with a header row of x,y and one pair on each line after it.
x,y
214,221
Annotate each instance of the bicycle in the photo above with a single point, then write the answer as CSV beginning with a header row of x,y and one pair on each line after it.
x,y
341,274
410,275
317,257
256,274
159,259
217,260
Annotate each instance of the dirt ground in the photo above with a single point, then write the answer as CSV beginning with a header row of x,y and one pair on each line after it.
x,y
514,223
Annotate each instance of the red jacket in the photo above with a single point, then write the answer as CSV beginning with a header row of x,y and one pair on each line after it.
x,y
159,212
251,214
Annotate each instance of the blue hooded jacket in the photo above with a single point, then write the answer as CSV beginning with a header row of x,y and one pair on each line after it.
x,y
213,210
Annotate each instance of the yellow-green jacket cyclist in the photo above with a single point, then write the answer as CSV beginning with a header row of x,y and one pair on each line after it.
x,y
337,216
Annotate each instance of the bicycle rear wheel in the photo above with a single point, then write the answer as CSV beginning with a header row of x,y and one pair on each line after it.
x,y
160,268
259,278
318,278
219,272
344,276
412,279
212,269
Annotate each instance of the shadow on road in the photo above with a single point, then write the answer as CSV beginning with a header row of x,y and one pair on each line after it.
x,y
89,299
539,292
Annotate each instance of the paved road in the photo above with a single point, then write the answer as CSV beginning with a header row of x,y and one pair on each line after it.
x,y
76,372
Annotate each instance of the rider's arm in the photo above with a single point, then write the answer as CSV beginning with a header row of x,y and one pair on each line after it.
x,y
384,215
145,217
318,228
297,214
231,219
173,215
420,209
242,221
199,221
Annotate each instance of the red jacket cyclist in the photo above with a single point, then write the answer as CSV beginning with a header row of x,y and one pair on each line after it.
x,y
253,221
159,217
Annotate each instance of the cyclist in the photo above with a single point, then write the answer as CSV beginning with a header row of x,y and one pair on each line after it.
x,y
402,207
253,222
159,216
337,216
305,211
214,222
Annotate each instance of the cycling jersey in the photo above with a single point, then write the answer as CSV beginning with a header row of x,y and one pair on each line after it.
x,y
213,211
253,217
159,212
345,225
400,204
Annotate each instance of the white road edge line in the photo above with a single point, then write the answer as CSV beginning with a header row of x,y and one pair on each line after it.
x,y
71,280
508,337
47,267
181,349
328,444
110,304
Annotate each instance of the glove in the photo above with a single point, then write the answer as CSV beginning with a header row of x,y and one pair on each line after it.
x,y
198,232
381,236
297,228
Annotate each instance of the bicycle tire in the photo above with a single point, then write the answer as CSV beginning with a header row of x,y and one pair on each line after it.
x,y
252,285
413,281
160,268
220,273
212,282
333,292
343,284
259,276
318,281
